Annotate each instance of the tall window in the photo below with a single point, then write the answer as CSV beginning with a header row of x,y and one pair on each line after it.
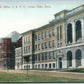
x,y
49,33
45,34
54,56
35,37
57,33
53,43
53,65
53,32
50,45
60,32
69,58
42,36
38,46
38,36
42,56
78,30
38,57
0,48
49,55
42,45
35,57
69,33
78,57
45,56
45,45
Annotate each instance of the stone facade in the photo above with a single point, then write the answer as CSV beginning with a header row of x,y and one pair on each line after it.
x,y
57,45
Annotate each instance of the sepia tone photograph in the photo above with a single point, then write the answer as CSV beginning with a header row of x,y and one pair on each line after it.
x,y
41,41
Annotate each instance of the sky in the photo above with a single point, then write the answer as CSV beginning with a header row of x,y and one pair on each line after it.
x,y
24,16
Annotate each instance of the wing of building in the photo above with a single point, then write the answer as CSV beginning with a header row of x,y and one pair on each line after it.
x,y
7,50
57,45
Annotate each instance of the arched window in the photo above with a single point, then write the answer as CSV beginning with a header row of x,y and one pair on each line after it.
x,y
78,57
78,30
69,33
69,58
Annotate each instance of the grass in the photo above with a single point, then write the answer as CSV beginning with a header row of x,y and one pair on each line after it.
x,y
13,77
76,70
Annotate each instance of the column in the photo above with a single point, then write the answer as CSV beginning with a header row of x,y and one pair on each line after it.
x,y
73,59
73,32
82,28
65,34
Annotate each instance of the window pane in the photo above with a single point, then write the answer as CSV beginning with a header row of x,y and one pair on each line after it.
x,y
57,33
53,32
49,33
60,32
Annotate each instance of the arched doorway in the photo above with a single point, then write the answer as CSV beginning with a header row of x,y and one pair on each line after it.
x,y
78,30
69,58
78,57
69,33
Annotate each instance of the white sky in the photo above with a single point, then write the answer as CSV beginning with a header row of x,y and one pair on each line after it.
x,y
24,19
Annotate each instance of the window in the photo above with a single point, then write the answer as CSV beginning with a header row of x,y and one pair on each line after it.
x,y
42,56
53,43
38,46
35,37
24,40
39,66
0,48
54,56
28,39
42,36
49,55
49,33
39,57
53,32
35,47
60,32
35,57
17,65
45,45
45,65
57,33
53,65
42,46
42,65
45,56
24,49
38,36
28,49
45,34
50,44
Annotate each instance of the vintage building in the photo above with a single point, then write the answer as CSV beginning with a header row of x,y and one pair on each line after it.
x,y
18,58
7,50
57,45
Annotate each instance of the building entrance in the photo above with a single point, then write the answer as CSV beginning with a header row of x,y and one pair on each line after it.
x,y
60,63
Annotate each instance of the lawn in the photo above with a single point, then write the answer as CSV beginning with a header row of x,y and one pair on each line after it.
x,y
13,77
76,70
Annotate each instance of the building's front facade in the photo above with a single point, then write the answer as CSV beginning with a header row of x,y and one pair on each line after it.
x,y
57,45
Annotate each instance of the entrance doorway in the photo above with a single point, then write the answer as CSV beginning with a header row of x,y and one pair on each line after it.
x,y
60,63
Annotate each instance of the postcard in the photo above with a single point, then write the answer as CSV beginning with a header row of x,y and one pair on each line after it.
x,y
41,41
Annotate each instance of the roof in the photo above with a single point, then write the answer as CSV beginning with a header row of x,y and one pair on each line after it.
x,y
15,36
